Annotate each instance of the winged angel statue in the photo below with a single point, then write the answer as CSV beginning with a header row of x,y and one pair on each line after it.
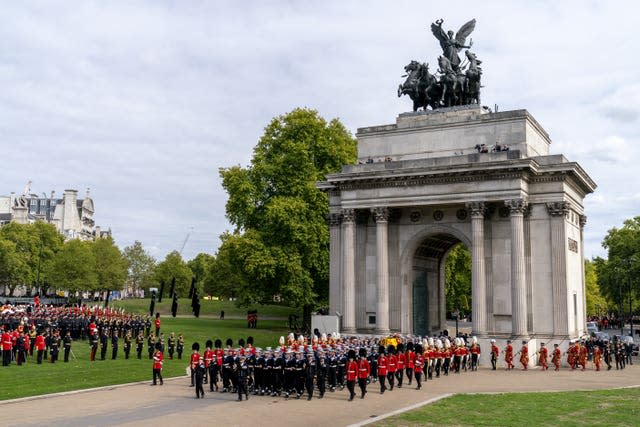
x,y
452,45
455,82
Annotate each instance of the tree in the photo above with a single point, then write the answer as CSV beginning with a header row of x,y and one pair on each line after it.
x,y
596,302
200,267
174,266
20,255
110,265
14,270
280,242
141,265
73,268
619,274
458,279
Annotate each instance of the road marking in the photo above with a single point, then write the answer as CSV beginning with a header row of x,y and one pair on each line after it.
x,y
401,410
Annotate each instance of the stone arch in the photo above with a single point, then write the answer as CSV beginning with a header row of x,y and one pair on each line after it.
x,y
440,239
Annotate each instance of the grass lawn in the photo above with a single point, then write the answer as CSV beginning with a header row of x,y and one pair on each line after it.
x,y
32,379
618,407
208,308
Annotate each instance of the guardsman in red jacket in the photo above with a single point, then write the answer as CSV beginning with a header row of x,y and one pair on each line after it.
x,y
208,359
495,352
391,365
157,364
382,369
352,374
364,370
583,355
410,358
475,353
400,362
418,366
524,355
40,348
157,324
195,359
597,357
7,345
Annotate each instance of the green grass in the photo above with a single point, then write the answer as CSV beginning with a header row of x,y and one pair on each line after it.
x,y
208,308
617,407
32,379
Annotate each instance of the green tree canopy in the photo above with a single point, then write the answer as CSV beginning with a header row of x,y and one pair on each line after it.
x,y
110,264
174,266
619,274
280,243
596,302
457,280
141,265
73,267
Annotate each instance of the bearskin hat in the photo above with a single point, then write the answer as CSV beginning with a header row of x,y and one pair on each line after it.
x,y
229,342
351,354
363,352
209,344
381,349
218,343
410,346
400,348
249,340
418,349
195,346
158,346
391,349
241,342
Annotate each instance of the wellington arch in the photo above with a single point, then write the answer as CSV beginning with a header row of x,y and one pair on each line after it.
x,y
423,185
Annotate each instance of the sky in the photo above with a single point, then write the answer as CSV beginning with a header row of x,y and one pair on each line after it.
x,y
144,101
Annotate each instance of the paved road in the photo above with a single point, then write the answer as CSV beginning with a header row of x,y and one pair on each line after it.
x,y
174,404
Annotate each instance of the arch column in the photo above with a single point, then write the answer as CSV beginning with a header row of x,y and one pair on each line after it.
x,y
348,272
558,211
518,282
381,216
478,283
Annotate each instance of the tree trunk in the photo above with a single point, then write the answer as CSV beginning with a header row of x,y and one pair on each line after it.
x,y
106,298
306,319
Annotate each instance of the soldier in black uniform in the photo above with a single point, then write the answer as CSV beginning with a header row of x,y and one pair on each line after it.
x,y
258,373
180,346
114,344
607,354
241,373
54,344
104,339
310,373
171,344
340,372
332,370
300,373
139,344
321,375
268,374
93,342
127,345
199,373
227,370
151,345
66,343
289,374
278,373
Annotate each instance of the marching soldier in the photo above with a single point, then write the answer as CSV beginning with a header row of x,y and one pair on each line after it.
x,y
310,374
524,355
364,370
241,374
597,357
352,374
195,359
556,357
157,365
180,346
114,344
508,355
542,357
172,344
54,344
382,369
198,373
475,353
410,362
151,344
41,346
418,366
391,366
322,374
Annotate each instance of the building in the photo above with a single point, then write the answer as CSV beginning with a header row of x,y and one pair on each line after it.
x,y
72,217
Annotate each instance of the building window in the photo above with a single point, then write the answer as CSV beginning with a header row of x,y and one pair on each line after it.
x,y
372,320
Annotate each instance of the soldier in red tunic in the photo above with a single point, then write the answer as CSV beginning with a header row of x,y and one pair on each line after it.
x,y
364,370
400,362
556,357
583,355
157,365
418,366
352,374
542,357
524,355
195,359
391,366
410,358
495,352
382,369
508,355
597,357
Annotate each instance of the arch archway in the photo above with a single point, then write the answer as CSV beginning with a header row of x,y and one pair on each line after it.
x,y
423,265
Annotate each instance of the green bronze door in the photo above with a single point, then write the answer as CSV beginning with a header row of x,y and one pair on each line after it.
x,y
420,304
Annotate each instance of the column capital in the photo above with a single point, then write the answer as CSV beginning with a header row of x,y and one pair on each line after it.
x,y
477,208
558,208
348,215
381,214
334,218
516,206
